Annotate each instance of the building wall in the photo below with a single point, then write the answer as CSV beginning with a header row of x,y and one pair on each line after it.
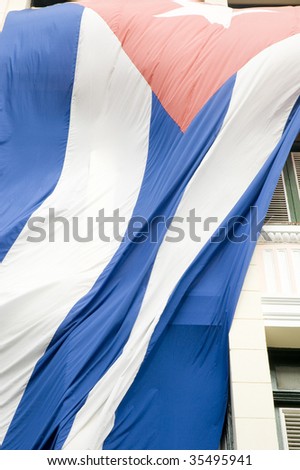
x,y
254,424
267,315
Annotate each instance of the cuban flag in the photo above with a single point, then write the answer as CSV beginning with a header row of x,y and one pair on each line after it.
x,y
157,109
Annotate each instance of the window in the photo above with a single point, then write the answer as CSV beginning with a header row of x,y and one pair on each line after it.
x,y
290,422
260,3
227,440
46,3
285,204
285,373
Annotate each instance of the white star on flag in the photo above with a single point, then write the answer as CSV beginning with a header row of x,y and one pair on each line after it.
x,y
213,13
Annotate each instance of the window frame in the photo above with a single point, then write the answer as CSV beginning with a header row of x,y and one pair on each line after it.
x,y
291,185
283,398
291,189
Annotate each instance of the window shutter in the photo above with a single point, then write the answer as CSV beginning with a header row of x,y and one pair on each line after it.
x,y
278,212
296,164
291,427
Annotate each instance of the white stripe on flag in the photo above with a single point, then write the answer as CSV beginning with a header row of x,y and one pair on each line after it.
x,y
265,91
104,167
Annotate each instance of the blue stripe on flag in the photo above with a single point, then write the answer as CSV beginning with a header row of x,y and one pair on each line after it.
x,y
181,385
37,68
96,329
185,372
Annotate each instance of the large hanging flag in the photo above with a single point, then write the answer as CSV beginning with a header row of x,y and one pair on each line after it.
x,y
122,123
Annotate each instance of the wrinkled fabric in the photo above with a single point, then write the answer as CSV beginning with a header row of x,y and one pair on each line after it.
x,y
157,110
